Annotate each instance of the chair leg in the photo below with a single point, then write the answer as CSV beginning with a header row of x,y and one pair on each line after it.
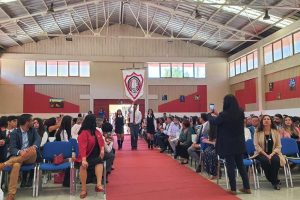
x,y
226,176
285,175
290,174
218,172
38,177
34,182
104,176
254,176
1,178
72,180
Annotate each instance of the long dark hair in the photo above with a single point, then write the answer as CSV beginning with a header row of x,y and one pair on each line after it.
x,y
89,124
152,115
261,124
117,113
212,134
293,128
231,107
41,128
66,124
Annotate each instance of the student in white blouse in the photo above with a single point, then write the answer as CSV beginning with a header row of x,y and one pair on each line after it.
x,y
135,118
64,131
75,128
247,131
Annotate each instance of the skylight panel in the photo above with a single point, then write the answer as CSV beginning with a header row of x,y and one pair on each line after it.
x,y
249,13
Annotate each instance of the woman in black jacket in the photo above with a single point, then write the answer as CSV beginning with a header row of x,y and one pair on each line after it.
x,y
230,143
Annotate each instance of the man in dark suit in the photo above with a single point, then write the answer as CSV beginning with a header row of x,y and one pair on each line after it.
x,y
24,144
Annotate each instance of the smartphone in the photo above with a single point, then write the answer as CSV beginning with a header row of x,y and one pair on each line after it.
x,y
212,107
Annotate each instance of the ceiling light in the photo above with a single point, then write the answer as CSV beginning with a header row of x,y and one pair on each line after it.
x,y
197,15
7,1
267,16
69,37
51,9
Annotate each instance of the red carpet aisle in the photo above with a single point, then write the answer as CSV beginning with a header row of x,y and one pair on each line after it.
x,y
145,175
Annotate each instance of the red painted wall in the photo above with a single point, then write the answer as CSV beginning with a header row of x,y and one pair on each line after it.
x,y
282,87
190,104
248,94
104,104
34,102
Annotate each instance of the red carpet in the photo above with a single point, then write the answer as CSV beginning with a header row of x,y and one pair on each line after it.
x,y
147,174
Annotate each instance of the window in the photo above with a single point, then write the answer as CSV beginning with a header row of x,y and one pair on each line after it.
x,y
165,70
243,64
84,69
188,70
177,70
73,69
287,46
41,68
250,61
51,68
268,54
29,68
200,70
255,63
277,50
231,69
63,68
153,70
238,66
297,42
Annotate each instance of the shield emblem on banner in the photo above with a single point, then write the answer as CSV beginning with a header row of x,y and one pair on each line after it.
x,y
134,83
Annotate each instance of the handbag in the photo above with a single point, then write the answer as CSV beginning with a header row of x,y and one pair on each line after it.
x,y
58,159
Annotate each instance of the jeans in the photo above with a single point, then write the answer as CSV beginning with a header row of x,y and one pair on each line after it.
x,y
134,132
194,153
233,162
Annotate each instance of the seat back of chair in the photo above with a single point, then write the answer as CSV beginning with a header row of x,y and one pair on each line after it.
x,y
74,145
55,148
289,146
250,147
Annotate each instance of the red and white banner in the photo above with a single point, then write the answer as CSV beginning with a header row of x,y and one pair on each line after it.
x,y
134,83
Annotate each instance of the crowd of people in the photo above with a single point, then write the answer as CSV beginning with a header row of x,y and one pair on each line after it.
x,y
224,134
22,139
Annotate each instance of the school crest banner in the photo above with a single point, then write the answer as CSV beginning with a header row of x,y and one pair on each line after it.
x,y
134,83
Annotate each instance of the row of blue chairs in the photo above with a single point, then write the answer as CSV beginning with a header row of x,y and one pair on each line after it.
x,y
49,151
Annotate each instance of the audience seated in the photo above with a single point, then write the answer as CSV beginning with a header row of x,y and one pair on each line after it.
x,y
184,142
268,150
173,134
289,130
75,128
210,155
193,150
109,155
64,131
24,149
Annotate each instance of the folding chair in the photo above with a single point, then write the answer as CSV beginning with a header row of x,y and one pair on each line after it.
x,y
50,150
24,168
290,148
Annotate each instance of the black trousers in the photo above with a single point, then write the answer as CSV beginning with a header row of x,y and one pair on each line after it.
x,y
270,168
182,151
233,162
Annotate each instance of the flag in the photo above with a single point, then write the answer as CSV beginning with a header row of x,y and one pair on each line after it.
x,y
134,83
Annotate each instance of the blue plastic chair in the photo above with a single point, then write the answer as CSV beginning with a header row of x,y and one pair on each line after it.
x,y
251,162
290,148
74,145
24,168
50,150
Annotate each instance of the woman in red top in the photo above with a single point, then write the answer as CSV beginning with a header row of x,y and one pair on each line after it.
x,y
91,153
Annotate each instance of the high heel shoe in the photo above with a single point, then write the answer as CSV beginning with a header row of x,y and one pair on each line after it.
x,y
98,189
83,194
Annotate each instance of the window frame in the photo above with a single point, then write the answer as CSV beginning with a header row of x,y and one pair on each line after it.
x,y
34,68
70,68
193,75
160,67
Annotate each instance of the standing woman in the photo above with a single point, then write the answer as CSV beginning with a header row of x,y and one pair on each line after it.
x,y
268,150
119,128
151,127
64,131
91,153
230,142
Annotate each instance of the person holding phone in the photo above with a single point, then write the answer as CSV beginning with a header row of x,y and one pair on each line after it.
x,y
230,141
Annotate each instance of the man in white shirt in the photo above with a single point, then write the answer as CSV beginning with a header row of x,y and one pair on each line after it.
x,y
173,133
172,130
135,119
